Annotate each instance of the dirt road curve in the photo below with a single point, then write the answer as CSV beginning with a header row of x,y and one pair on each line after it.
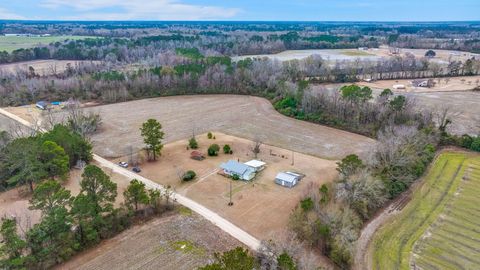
x,y
211,216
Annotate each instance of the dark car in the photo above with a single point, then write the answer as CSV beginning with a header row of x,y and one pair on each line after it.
x,y
136,169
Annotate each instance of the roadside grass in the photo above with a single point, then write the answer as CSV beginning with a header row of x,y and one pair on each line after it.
x,y
12,43
394,243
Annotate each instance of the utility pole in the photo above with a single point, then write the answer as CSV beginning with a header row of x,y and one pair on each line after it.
x,y
230,203
293,158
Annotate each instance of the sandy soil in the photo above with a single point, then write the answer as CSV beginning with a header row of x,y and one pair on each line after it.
x,y
261,207
15,202
42,67
157,245
241,116
374,54
441,85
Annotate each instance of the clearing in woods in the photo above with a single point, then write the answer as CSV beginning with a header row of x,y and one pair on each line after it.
x,y
438,228
12,43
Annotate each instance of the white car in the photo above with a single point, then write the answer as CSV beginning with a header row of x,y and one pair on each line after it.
x,y
123,164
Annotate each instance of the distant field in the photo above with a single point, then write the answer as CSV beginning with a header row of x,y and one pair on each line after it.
x,y
357,53
13,43
438,229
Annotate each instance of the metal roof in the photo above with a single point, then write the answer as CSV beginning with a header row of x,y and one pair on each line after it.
x,y
286,177
235,167
255,163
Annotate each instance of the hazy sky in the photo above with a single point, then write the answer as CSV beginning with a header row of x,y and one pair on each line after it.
x,y
277,10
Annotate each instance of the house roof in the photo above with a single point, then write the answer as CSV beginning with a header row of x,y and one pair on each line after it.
x,y
286,177
42,103
255,163
235,167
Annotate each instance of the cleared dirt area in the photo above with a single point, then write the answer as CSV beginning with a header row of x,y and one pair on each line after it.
x,y
261,207
441,85
43,67
241,116
373,54
179,241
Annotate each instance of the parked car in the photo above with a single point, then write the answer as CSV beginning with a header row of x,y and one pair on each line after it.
x,y
136,169
123,164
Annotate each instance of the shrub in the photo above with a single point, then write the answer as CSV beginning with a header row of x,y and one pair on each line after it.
x,y
189,175
285,262
227,149
236,177
307,204
213,149
209,135
192,143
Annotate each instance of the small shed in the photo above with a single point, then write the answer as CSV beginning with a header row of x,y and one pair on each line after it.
x,y
256,165
286,179
197,155
42,105
398,86
243,171
421,83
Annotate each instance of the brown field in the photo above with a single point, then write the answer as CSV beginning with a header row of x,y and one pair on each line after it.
x,y
261,207
242,116
158,244
441,85
42,67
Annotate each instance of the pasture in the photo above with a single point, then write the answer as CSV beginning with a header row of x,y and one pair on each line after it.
x,y
12,43
242,116
437,228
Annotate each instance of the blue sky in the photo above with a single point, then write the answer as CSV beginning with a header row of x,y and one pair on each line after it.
x,y
267,10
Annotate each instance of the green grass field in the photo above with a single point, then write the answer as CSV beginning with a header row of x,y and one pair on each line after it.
x,y
356,53
12,43
439,227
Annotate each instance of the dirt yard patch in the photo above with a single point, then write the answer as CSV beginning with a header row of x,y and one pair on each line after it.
x,y
180,241
242,116
261,207
43,67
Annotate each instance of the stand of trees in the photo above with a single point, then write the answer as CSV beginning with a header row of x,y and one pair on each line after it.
x,y
70,224
50,155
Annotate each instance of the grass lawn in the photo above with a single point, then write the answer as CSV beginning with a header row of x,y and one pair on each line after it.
x,y
13,43
438,229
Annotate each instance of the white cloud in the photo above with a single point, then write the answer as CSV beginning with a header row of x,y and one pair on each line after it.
x,y
7,15
139,10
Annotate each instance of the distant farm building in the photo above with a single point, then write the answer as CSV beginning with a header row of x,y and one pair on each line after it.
x,y
244,172
197,155
287,179
422,83
42,105
256,165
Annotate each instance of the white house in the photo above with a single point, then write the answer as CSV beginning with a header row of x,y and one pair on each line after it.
x,y
256,165
243,171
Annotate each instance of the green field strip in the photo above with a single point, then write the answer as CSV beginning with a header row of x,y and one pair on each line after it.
x,y
394,242
465,225
440,260
455,240
465,215
451,249
426,265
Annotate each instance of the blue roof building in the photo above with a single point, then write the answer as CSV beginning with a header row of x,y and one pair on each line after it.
x,y
243,171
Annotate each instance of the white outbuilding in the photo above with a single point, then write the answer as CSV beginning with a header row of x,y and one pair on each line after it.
x,y
256,165
287,179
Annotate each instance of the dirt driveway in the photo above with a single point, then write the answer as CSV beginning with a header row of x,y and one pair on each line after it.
x,y
242,116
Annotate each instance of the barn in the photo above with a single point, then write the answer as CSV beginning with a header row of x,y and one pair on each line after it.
x,y
42,105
